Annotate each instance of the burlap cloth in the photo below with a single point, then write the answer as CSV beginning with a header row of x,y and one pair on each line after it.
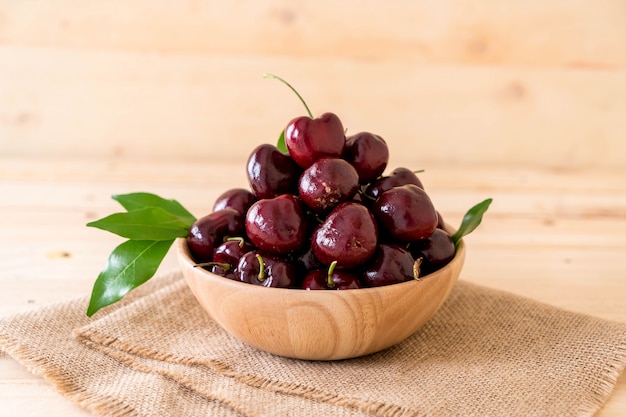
x,y
485,353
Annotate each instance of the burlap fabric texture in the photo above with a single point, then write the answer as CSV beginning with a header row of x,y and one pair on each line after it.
x,y
485,353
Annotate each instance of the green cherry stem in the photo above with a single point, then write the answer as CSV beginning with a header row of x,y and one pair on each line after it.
x,y
331,269
268,75
220,264
365,195
261,275
235,239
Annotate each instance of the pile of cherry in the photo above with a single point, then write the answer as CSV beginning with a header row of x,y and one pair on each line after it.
x,y
323,216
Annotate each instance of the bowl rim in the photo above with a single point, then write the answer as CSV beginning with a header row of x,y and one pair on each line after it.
x,y
184,255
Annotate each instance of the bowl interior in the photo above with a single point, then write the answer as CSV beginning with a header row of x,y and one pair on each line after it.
x,y
320,325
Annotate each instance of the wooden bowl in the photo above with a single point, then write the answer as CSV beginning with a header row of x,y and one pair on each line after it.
x,y
320,325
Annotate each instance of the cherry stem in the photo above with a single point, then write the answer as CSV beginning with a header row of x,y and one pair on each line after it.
x,y
261,275
416,268
220,264
331,269
267,75
365,195
236,239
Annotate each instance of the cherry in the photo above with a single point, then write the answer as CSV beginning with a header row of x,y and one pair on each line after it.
x,y
258,268
391,264
369,155
434,252
398,177
271,172
238,199
277,225
330,279
309,139
326,183
320,211
220,269
209,231
441,224
226,257
231,251
406,213
358,198
348,235
306,260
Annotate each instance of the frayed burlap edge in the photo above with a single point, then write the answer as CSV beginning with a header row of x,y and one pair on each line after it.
x,y
104,404
131,362
95,402
122,350
607,381
117,348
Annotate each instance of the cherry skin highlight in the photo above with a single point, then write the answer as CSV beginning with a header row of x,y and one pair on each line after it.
x,y
309,139
277,225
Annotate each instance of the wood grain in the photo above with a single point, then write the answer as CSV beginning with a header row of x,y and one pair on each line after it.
x,y
540,84
524,102
559,33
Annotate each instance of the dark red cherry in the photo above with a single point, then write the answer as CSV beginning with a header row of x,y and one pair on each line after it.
x,y
259,268
368,154
238,199
398,177
306,260
271,172
328,182
348,235
277,225
441,224
391,264
309,139
208,232
223,270
330,279
435,252
231,251
406,213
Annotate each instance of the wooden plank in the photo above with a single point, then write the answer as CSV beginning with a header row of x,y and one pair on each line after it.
x,y
583,33
523,102
110,103
22,394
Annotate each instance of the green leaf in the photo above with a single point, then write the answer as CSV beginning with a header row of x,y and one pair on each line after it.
x,y
471,220
136,201
281,145
150,223
130,264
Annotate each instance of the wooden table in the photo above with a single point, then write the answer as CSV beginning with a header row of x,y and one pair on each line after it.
x,y
555,236
524,103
